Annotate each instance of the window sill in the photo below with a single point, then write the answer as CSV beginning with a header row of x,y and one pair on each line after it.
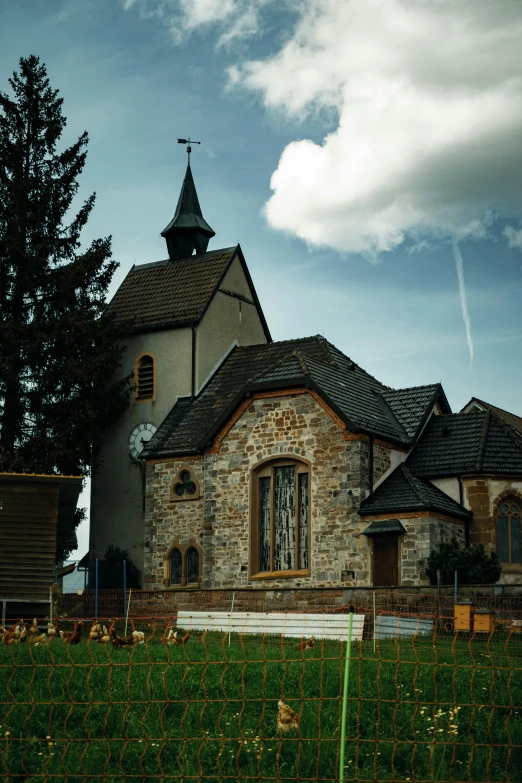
x,y
511,568
280,574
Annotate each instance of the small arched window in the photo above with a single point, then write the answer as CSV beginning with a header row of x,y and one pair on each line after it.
x,y
192,566
175,567
280,521
145,378
509,547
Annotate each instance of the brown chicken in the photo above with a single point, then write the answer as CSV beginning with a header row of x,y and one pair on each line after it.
x,y
307,644
95,632
33,628
17,634
120,641
287,719
174,639
72,637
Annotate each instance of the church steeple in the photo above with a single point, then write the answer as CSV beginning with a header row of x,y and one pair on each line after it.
x,y
188,231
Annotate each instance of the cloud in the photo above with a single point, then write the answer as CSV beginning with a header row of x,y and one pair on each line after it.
x,y
428,95
238,19
514,236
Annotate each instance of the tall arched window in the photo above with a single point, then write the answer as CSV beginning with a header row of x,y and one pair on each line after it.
x,y
175,567
192,566
145,378
280,524
509,533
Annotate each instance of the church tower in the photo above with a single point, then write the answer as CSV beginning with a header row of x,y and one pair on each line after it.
x,y
186,313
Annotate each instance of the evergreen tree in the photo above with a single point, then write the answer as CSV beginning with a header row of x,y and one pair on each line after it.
x,y
473,565
58,346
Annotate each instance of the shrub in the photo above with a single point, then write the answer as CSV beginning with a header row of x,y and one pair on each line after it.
x,y
473,565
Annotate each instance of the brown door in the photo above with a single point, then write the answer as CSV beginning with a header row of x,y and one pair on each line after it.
x,y
386,559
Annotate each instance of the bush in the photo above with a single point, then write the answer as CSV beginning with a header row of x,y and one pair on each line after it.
x,y
472,564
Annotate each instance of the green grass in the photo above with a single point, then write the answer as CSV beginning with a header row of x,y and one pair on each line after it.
x,y
208,712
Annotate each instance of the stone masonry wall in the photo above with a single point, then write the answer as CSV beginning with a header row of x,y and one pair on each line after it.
x,y
423,535
381,461
273,426
484,495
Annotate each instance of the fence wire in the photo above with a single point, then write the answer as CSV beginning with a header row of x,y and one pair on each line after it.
x,y
206,695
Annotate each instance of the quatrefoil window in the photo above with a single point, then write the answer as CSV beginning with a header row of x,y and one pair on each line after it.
x,y
185,485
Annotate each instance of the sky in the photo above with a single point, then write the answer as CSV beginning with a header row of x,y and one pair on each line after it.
x,y
366,154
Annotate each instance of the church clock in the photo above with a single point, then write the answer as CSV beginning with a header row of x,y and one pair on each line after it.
x,y
139,436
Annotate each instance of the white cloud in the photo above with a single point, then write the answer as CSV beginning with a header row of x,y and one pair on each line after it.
x,y
239,19
513,236
429,101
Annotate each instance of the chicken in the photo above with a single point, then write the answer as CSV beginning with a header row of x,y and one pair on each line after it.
x,y
120,641
287,719
105,635
174,639
138,637
16,635
95,632
307,644
33,628
72,637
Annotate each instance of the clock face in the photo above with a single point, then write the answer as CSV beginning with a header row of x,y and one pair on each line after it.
x,y
139,436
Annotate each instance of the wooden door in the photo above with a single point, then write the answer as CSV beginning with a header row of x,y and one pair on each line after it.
x,y
386,559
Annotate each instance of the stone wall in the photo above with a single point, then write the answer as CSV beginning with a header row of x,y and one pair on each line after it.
x,y
272,426
484,495
381,461
423,535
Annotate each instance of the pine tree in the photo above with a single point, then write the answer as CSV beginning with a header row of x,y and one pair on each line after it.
x,y
58,346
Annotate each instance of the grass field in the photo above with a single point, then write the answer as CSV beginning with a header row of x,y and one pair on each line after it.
x,y
208,711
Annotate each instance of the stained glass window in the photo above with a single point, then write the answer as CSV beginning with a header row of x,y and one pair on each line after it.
x,y
175,567
264,523
509,543
283,517
192,566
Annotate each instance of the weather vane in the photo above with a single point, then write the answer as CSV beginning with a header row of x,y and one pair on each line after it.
x,y
188,142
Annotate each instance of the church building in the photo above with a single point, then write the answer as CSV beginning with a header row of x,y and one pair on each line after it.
x,y
244,462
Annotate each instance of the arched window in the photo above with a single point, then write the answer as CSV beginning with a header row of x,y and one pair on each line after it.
x,y
182,564
145,378
192,566
508,533
280,524
175,567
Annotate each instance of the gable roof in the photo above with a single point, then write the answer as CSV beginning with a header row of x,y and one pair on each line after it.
x,y
474,442
169,294
510,418
354,395
412,406
403,492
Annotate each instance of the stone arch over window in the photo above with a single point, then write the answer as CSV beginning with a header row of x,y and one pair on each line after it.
x,y
182,565
145,378
509,530
185,485
280,513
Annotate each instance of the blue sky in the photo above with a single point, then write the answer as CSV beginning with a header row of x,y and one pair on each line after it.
x,y
368,197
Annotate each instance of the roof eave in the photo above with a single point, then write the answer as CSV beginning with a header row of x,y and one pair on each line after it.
x,y
412,509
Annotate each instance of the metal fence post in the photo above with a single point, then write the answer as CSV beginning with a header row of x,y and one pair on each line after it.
x,y
124,588
96,591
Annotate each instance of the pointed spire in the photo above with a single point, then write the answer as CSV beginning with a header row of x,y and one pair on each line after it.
x,y
188,231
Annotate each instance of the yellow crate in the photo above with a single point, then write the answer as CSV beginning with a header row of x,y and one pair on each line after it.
x,y
483,621
463,613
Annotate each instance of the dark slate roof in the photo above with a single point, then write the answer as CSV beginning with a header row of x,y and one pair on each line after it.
x,y
402,492
475,442
188,211
510,418
170,293
353,394
410,406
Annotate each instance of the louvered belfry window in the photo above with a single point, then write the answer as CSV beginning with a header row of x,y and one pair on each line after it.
x,y
509,543
145,378
280,529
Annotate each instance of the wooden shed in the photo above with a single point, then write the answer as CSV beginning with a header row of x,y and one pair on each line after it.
x,y
36,511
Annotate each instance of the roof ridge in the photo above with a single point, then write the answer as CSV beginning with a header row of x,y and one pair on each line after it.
x,y
390,413
187,259
482,441
408,388
413,481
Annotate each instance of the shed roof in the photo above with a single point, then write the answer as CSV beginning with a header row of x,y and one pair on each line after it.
x,y
403,492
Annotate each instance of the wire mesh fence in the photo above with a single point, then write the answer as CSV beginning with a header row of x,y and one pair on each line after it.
x,y
206,694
